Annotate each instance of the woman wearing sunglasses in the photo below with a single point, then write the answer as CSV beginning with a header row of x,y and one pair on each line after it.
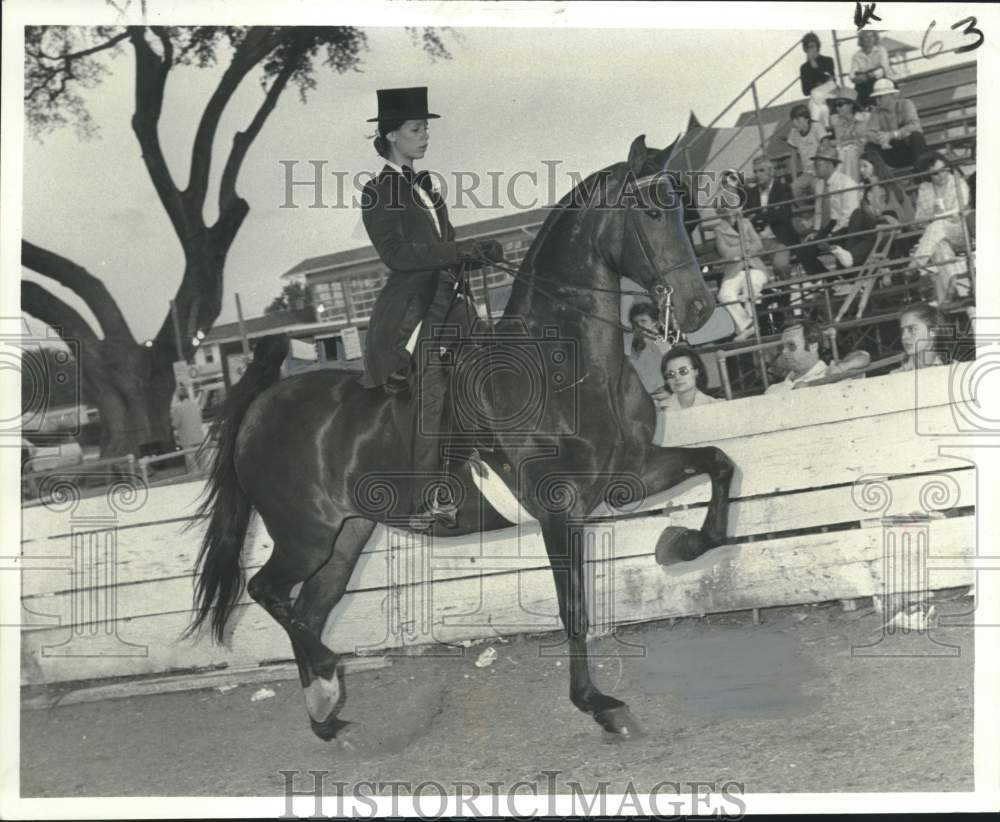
x,y
684,378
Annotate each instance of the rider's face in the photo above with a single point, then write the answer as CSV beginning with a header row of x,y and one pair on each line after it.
x,y
410,139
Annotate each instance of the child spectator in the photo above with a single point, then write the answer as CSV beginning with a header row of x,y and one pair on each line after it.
x,y
894,129
940,202
801,345
818,78
869,64
647,346
805,138
919,326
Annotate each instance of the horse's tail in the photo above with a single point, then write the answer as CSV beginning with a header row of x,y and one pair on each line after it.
x,y
220,581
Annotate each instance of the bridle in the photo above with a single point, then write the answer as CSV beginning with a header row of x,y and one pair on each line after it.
x,y
662,294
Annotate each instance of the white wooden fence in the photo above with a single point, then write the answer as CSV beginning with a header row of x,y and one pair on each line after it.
x,y
107,581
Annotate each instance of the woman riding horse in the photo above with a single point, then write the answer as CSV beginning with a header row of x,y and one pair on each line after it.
x,y
407,222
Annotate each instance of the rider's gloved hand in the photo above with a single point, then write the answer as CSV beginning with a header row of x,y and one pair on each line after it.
x,y
492,250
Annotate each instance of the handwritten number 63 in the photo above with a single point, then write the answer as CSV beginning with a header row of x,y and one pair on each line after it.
x,y
936,47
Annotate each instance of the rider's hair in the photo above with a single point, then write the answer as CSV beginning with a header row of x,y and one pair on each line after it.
x,y
675,353
384,127
927,159
637,310
811,39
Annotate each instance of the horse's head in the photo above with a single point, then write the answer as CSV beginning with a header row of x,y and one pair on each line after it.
x,y
653,248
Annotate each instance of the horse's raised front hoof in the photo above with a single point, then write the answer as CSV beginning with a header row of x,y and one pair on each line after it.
x,y
329,727
679,545
619,725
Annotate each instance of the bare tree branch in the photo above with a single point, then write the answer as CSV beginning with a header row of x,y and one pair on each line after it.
x,y
150,82
72,327
75,55
80,281
258,42
242,140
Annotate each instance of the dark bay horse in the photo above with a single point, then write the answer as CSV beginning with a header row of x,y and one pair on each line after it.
x,y
560,415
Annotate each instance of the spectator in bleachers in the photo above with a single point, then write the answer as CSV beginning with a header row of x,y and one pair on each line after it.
x,y
685,380
873,212
802,343
804,137
847,130
818,78
919,325
894,128
869,64
735,237
836,199
940,202
873,169
647,346
769,204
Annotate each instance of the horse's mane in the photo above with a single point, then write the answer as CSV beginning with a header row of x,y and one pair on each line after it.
x,y
555,213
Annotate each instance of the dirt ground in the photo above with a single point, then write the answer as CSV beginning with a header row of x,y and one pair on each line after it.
x,y
781,706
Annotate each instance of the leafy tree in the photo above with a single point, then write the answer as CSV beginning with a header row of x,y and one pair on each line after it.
x,y
293,296
132,383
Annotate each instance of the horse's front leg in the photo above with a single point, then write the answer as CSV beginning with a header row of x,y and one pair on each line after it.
x,y
566,556
665,468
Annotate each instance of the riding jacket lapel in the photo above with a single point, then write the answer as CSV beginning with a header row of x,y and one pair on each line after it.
x,y
439,206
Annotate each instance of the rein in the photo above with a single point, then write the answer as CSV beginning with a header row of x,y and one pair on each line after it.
x,y
664,298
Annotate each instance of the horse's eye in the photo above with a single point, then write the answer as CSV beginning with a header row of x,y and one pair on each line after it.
x,y
653,213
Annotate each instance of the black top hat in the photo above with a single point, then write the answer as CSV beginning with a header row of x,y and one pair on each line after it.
x,y
402,104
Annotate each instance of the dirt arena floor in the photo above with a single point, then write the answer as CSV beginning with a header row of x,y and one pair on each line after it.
x,y
780,706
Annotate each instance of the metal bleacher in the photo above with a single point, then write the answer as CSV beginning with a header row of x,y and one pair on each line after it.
x,y
946,103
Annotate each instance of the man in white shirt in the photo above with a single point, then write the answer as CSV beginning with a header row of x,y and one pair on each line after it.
x,y
837,196
801,344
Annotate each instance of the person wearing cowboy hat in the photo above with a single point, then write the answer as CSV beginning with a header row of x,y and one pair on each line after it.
x,y
894,129
847,129
836,198
407,221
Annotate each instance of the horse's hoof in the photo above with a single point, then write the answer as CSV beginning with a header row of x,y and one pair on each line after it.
x,y
679,545
329,727
619,725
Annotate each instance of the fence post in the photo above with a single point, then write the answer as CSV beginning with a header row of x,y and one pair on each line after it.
x,y
836,57
760,124
963,212
751,295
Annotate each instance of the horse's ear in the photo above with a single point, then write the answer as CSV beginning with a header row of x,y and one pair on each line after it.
x,y
663,157
637,155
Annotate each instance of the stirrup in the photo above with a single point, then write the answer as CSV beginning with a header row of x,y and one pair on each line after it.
x,y
424,519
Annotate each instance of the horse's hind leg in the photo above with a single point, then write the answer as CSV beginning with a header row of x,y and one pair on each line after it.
x,y
322,683
299,559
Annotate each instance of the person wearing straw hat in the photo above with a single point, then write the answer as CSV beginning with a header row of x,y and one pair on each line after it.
x,y
407,221
847,129
894,129
836,198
